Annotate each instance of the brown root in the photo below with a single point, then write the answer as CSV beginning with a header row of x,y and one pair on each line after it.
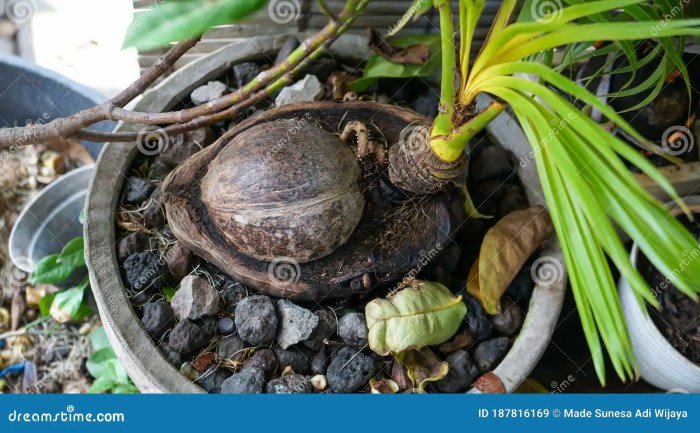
x,y
366,146
415,168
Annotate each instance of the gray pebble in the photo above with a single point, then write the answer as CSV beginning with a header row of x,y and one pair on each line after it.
x,y
489,353
305,90
226,326
462,373
144,270
212,379
509,320
232,293
296,323
320,361
178,258
195,298
137,189
136,242
295,357
256,320
263,359
478,325
290,384
349,371
207,92
158,318
325,329
247,381
172,356
230,347
352,329
245,72
187,336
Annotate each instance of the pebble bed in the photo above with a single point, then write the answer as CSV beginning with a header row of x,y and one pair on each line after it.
x,y
230,339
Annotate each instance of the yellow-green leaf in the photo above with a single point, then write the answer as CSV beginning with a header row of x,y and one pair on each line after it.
x,y
423,315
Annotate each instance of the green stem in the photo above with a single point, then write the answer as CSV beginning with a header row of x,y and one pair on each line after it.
x,y
444,122
450,148
325,10
331,31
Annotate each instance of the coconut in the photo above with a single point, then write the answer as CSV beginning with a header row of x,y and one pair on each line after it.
x,y
286,188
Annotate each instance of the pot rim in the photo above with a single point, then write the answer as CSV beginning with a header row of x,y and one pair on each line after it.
x,y
638,319
144,362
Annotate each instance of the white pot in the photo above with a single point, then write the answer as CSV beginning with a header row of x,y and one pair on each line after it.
x,y
660,363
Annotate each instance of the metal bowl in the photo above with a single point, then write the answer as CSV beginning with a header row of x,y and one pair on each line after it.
x,y
50,220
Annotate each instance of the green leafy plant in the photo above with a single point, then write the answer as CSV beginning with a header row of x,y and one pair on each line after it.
x,y
581,166
379,67
173,21
68,304
104,366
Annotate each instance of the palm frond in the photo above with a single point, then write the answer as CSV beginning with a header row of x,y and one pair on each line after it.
x,y
587,185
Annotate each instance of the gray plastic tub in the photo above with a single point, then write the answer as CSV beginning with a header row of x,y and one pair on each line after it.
x,y
31,94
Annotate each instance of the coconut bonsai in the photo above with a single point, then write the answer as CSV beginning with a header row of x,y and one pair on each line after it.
x,y
258,200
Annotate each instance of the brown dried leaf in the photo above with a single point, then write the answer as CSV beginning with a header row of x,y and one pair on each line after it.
x,y
339,81
506,248
400,376
383,386
411,55
34,294
473,281
72,149
17,309
422,367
